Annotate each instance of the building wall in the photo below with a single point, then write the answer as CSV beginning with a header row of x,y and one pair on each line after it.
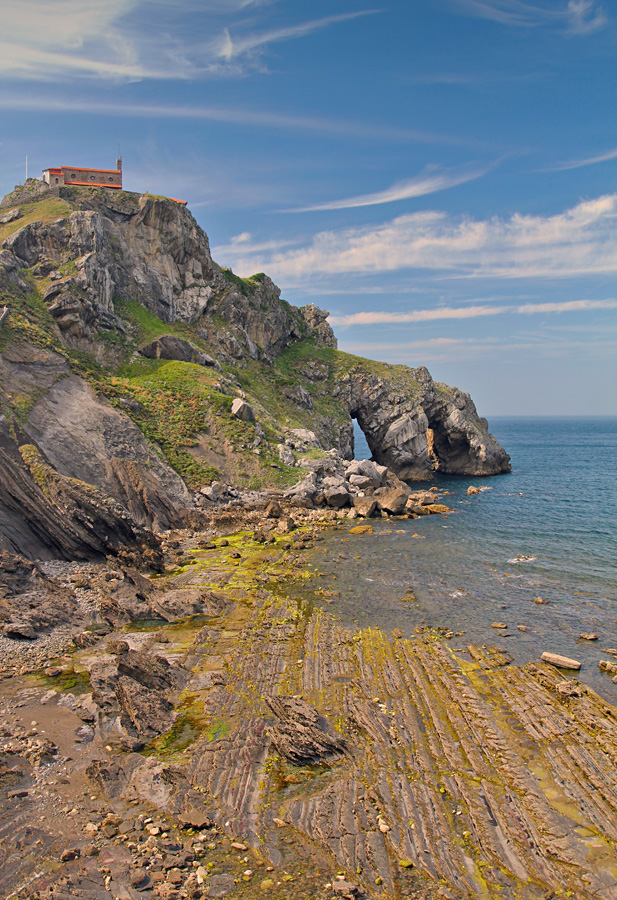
x,y
53,177
111,178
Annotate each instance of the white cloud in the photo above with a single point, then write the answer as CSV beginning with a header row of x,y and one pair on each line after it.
x,y
63,39
579,241
468,312
230,48
578,17
589,161
417,315
247,117
585,16
430,181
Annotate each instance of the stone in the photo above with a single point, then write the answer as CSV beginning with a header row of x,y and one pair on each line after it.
x,y
361,482
285,455
438,509
171,347
471,490
344,888
285,525
607,666
69,854
361,529
562,662
174,876
392,500
10,216
499,625
298,732
588,636
19,631
220,886
569,689
337,496
366,506
273,510
366,469
242,410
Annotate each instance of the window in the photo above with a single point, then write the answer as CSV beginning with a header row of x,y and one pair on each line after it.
x,y
92,178
73,175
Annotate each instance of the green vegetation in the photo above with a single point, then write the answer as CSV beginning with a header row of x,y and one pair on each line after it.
x,y
243,284
42,211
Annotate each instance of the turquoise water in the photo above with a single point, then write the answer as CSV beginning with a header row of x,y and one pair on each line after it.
x,y
558,505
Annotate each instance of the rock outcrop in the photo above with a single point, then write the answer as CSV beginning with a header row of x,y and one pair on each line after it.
x,y
421,426
83,290
174,348
46,515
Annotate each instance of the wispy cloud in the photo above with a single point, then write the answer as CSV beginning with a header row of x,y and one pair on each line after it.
x,y
589,161
70,38
381,317
231,48
247,117
577,17
579,241
430,181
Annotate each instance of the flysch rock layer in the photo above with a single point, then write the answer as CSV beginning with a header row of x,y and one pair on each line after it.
x,y
411,767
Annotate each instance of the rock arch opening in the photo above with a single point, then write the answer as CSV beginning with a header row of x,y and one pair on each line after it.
x,y
361,448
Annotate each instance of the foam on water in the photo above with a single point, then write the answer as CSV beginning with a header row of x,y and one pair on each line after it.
x,y
547,532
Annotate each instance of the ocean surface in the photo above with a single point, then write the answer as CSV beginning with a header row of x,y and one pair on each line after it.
x,y
559,505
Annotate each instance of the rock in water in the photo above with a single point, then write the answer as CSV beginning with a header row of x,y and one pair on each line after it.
x,y
562,662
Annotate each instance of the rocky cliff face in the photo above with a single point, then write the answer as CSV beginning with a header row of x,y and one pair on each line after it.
x,y
126,345
417,429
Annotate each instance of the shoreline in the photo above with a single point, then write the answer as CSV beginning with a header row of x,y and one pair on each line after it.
x,y
389,761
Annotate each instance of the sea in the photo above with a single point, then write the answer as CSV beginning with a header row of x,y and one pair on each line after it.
x,y
547,531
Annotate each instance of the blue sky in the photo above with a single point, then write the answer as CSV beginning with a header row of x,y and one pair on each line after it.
x,y
441,176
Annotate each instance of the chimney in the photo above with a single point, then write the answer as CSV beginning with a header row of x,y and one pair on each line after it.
x,y
119,164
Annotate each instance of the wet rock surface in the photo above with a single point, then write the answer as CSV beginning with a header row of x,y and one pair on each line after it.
x,y
270,751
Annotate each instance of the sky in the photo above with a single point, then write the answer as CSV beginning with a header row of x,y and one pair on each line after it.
x,y
441,176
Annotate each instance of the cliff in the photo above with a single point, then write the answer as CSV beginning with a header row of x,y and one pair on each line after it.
x,y
126,346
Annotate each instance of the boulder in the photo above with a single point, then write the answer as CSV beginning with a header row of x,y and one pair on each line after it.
x,y
285,455
20,631
368,469
360,482
562,662
242,410
142,709
336,496
365,506
298,731
171,347
392,500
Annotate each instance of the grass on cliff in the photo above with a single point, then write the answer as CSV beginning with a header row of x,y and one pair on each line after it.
x,y
38,211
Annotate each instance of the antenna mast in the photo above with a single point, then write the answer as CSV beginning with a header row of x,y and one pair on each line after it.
x,y
26,166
